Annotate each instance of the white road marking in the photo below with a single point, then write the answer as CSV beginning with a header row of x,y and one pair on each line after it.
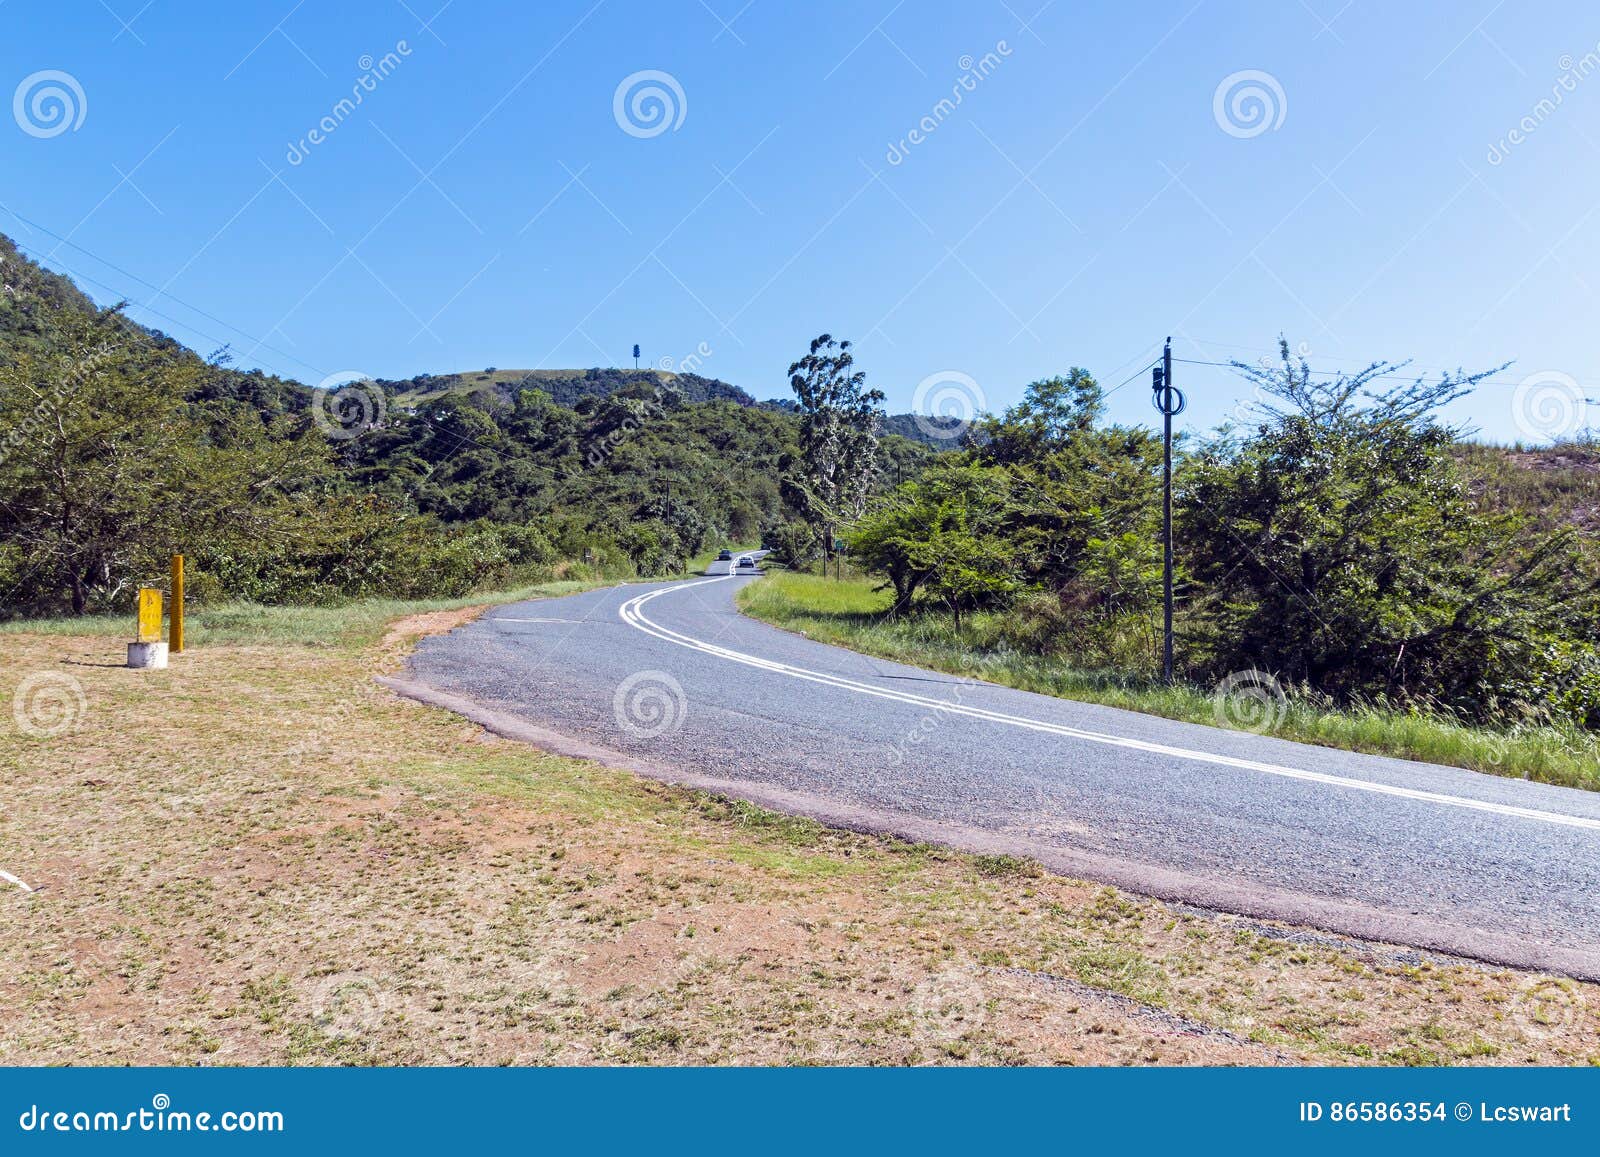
x,y
634,617
508,619
10,879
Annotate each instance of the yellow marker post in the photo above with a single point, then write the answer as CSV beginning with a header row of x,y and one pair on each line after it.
x,y
175,631
149,615
147,651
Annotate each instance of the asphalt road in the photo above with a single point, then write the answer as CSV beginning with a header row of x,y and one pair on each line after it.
x,y
672,681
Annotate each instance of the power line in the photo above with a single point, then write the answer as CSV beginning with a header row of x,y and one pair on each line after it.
x,y
111,289
1275,352
149,285
1140,372
1376,377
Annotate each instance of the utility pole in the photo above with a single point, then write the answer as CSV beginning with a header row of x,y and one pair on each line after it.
x,y
1170,401
670,528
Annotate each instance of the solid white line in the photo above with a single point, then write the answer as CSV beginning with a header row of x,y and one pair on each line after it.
x,y
10,879
499,619
631,614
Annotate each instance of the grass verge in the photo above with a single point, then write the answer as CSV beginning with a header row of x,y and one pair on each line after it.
x,y
355,622
259,856
850,613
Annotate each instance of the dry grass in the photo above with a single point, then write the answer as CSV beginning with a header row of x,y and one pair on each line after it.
x,y
259,856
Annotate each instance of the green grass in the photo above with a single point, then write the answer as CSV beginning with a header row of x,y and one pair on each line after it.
x,y
851,614
356,623
699,562
483,888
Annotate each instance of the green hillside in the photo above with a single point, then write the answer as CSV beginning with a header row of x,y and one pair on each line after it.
x,y
1425,566
495,386
119,446
564,387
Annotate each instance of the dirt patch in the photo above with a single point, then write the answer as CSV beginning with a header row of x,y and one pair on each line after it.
x,y
413,627
293,866
1581,461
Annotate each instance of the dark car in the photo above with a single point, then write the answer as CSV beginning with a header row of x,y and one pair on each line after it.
x,y
724,556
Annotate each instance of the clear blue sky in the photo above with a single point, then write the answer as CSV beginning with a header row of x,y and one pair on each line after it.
x,y
482,206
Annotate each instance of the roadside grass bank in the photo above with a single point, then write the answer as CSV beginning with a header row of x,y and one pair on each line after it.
x,y
851,613
260,856
341,624
353,621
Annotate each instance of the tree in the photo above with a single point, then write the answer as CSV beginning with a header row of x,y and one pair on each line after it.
x,y
946,533
838,437
108,467
974,566
894,538
1052,412
1339,546
1086,506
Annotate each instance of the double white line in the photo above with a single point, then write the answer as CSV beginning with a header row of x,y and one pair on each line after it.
x,y
633,615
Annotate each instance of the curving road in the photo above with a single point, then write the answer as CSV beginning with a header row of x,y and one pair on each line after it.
x,y
672,681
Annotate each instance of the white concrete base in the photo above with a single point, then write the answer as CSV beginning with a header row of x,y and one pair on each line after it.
x,y
147,656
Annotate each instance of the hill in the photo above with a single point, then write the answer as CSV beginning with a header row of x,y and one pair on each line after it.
x,y
497,387
564,387
450,478
30,295
33,299
1552,486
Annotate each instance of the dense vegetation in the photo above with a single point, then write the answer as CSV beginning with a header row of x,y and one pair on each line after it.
x,y
1345,542
118,447
564,387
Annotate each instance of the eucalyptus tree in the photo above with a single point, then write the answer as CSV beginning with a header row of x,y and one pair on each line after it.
x,y
839,416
